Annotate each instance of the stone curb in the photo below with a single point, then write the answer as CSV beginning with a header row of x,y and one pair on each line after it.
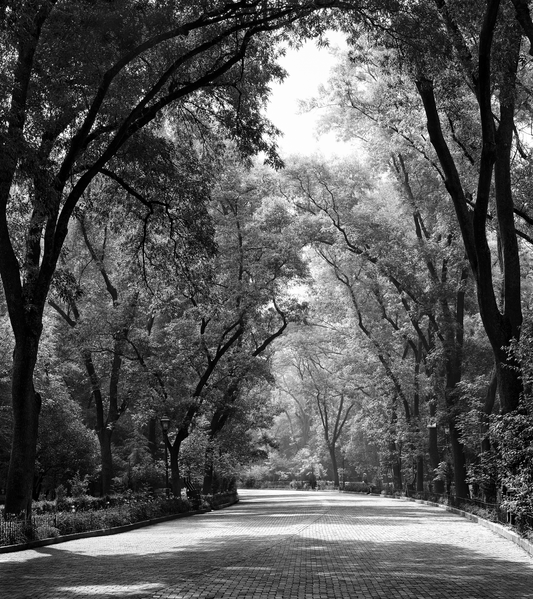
x,y
500,530
106,531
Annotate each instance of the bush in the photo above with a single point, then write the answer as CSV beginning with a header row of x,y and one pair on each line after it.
x,y
46,532
79,486
44,507
357,487
86,513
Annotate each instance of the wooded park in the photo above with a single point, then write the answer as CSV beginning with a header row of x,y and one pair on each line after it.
x,y
287,316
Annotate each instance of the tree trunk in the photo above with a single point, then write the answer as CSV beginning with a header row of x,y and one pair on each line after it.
x,y
489,489
174,451
26,408
396,469
495,159
459,463
106,478
434,459
420,474
334,466
458,457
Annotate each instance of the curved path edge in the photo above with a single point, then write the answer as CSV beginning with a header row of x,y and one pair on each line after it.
x,y
107,531
498,529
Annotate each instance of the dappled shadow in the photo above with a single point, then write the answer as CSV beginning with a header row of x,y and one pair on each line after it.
x,y
336,548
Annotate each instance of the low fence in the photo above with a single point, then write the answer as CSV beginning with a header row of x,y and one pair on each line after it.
x,y
42,526
56,522
494,512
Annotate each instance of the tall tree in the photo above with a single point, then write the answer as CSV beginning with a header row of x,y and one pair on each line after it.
x,y
330,378
66,116
220,328
467,64
376,240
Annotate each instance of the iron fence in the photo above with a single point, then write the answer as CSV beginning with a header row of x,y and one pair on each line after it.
x,y
15,531
496,512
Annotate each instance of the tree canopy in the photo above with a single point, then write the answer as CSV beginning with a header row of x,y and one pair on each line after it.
x,y
373,309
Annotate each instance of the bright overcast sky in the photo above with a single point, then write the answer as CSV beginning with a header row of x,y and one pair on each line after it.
x,y
307,69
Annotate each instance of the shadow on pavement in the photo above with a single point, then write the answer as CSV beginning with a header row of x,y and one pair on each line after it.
x,y
295,559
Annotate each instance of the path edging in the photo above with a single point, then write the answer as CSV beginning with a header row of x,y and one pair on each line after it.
x,y
494,526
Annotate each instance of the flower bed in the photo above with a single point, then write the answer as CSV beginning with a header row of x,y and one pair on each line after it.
x,y
84,514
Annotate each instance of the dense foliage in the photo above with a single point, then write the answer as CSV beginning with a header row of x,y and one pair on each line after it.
x,y
341,319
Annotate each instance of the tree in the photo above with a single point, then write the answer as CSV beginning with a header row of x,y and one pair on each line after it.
x,y
220,330
328,376
102,330
399,263
67,117
465,60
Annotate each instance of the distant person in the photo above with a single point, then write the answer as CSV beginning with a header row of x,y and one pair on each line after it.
x,y
312,480
365,480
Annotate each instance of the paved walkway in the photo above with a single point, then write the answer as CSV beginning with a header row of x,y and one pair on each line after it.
x,y
276,544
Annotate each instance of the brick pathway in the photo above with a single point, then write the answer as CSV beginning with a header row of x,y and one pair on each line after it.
x,y
276,544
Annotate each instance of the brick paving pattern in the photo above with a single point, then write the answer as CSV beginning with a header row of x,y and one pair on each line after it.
x,y
281,545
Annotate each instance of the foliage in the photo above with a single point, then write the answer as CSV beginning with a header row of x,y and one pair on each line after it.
x,y
71,122
357,487
84,514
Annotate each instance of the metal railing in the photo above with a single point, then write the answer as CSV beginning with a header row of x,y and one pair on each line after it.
x,y
495,512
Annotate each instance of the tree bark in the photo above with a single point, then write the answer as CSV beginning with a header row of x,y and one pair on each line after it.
x,y
333,458
26,409
433,446
174,452
420,474
106,460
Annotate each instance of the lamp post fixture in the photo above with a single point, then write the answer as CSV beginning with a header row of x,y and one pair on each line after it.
x,y
165,423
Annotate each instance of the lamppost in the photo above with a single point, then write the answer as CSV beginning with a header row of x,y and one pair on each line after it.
x,y
165,423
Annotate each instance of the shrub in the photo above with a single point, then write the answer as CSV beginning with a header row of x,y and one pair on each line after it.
x,y
85,513
79,486
44,507
357,487
46,532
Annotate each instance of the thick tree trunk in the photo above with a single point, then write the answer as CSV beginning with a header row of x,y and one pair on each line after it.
x,y
396,470
106,477
434,459
459,463
26,408
458,450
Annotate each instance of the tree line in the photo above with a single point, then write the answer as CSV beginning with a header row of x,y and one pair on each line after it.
x,y
148,269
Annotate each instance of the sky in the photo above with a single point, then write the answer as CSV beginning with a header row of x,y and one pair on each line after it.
x,y
307,69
